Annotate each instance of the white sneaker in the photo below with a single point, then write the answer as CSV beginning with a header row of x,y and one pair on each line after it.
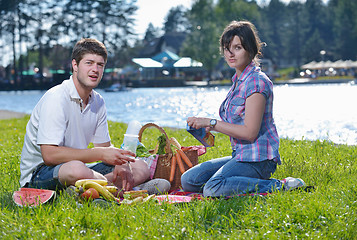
x,y
155,186
290,183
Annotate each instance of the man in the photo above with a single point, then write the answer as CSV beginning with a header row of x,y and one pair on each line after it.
x,y
69,117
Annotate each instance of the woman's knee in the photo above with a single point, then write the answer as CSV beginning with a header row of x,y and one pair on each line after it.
x,y
189,182
211,188
184,181
141,171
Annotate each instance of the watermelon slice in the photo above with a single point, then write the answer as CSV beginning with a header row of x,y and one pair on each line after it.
x,y
32,197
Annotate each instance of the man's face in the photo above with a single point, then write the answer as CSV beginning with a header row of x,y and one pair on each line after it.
x,y
89,71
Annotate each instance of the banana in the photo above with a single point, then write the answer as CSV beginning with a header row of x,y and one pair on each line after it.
x,y
138,200
81,182
132,202
112,189
148,198
101,190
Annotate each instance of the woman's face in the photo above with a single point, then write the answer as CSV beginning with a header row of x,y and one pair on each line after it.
x,y
236,56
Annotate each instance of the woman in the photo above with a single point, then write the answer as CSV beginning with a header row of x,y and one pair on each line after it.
x,y
247,119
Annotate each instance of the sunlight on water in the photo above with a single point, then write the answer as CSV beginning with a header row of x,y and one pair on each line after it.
x,y
300,111
317,112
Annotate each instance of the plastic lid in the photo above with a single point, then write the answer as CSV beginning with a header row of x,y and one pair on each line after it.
x,y
133,128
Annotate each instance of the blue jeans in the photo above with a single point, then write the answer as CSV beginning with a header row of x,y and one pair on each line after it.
x,y
226,177
46,177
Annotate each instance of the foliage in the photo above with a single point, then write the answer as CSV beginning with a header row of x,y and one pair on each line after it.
x,y
201,43
151,33
328,212
47,23
176,20
295,33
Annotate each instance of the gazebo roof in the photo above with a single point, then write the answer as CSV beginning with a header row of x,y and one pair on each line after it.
x,y
147,62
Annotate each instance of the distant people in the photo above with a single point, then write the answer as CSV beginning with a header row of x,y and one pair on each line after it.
x,y
66,119
247,118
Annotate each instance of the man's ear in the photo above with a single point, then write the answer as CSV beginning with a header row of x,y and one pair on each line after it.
x,y
74,65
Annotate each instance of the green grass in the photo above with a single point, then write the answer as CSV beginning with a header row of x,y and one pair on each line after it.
x,y
328,212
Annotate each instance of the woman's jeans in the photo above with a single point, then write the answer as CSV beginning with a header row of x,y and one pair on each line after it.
x,y
226,177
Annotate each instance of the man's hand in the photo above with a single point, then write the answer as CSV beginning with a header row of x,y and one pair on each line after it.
x,y
123,176
116,156
54,155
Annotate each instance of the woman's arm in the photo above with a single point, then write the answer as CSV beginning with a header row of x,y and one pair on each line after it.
x,y
254,111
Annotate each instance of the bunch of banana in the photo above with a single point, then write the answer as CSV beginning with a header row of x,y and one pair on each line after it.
x,y
98,184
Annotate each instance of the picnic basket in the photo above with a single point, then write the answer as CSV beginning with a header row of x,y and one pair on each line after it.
x,y
164,161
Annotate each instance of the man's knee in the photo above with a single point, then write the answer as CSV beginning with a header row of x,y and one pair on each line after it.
x,y
71,171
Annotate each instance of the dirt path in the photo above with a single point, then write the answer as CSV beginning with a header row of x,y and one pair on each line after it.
x,y
5,114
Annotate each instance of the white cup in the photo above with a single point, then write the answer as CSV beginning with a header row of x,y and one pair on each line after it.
x,y
130,142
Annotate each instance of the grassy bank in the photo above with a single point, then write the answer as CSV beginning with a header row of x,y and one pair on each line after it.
x,y
328,212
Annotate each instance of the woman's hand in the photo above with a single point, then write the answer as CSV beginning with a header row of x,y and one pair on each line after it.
x,y
254,111
198,122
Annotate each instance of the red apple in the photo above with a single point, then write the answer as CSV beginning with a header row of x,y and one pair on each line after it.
x,y
90,194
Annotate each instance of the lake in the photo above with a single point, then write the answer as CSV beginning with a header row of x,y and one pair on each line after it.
x,y
301,111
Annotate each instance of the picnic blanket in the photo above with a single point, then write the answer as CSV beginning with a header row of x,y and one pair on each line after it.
x,y
180,196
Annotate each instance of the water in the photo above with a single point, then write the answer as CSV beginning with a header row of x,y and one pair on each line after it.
x,y
326,112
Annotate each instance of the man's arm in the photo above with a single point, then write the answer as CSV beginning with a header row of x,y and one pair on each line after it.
x,y
54,155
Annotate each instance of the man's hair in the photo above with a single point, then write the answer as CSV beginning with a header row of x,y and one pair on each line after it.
x,y
89,45
248,36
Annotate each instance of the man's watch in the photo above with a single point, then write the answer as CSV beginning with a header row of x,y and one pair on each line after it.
x,y
212,123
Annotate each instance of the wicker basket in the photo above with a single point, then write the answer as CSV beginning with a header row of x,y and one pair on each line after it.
x,y
164,161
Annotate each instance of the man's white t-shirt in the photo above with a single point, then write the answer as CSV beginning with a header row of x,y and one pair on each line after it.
x,y
58,119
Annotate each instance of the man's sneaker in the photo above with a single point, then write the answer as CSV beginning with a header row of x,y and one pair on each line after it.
x,y
290,183
155,186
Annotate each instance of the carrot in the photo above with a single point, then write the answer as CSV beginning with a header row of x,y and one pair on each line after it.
x,y
173,168
185,158
179,163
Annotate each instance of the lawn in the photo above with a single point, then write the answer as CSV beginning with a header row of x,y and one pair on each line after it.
x,y
329,212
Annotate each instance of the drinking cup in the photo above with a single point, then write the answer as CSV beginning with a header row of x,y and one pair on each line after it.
x,y
130,142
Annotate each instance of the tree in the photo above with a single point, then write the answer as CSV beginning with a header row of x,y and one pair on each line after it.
x,y
10,23
151,33
109,21
316,30
271,29
202,42
229,10
344,28
294,33
176,20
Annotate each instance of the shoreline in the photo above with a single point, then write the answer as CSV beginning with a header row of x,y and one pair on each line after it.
x,y
6,114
